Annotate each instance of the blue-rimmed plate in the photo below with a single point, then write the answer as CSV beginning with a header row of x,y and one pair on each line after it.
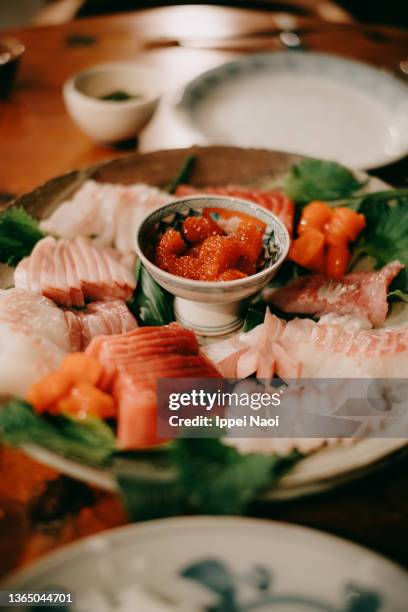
x,y
309,103
218,564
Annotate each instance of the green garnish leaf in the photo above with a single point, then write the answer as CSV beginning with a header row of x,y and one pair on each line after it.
x,y
385,235
197,476
188,475
148,484
313,179
400,295
255,316
19,233
184,174
151,304
217,479
90,441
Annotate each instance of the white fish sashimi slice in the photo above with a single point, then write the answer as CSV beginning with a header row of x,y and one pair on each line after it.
x,y
302,348
83,215
35,263
107,212
25,359
99,319
74,329
359,293
80,266
73,282
51,280
137,201
21,278
68,271
333,351
32,314
34,339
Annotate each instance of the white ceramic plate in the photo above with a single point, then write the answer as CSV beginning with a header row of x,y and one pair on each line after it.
x,y
320,471
313,103
233,565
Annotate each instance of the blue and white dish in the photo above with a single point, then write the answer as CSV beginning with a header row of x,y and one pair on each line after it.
x,y
217,565
310,103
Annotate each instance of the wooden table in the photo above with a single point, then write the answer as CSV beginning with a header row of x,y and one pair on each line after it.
x,y
39,508
39,141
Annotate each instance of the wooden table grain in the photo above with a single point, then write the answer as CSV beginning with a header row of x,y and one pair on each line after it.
x,y
39,508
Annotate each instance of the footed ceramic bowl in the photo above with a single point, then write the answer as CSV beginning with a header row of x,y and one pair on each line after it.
x,y
212,308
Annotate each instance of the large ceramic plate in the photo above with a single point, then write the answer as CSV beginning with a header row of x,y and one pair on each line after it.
x,y
198,564
216,165
317,104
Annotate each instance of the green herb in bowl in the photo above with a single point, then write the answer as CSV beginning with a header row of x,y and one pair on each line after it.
x,y
120,96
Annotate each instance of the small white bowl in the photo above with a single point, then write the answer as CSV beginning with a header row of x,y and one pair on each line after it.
x,y
106,120
212,308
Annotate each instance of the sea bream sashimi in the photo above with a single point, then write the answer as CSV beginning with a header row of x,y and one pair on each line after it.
x,y
301,348
34,339
98,319
70,272
133,363
107,212
35,335
362,294
275,201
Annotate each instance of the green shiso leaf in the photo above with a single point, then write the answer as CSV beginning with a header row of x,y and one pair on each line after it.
x,y
90,441
384,238
313,179
19,233
217,479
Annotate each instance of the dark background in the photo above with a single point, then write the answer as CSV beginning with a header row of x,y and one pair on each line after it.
x,y
17,13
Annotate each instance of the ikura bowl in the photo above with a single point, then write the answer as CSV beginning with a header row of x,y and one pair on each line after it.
x,y
212,308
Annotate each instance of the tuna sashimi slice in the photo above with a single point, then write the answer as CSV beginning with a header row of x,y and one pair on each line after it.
x,y
275,201
361,294
137,412
133,363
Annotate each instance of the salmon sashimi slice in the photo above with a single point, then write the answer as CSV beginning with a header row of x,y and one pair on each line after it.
x,y
99,319
335,347
361,294
275,201
107,212
133,363
72,272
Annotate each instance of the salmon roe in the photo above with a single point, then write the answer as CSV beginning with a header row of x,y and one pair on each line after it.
x,y
202,250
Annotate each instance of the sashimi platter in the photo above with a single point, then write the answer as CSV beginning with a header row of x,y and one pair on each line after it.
x,y
212,262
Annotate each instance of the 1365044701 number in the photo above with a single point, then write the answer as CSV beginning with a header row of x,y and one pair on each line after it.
x,y
33,598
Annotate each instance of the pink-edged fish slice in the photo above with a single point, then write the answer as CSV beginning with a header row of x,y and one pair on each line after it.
x,y
73,282
361,294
